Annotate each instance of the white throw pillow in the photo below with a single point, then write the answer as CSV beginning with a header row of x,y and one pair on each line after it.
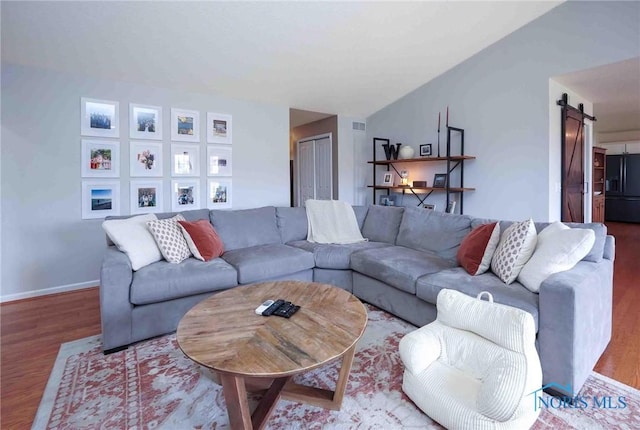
x,y
515,248
170,239
132,237
559,248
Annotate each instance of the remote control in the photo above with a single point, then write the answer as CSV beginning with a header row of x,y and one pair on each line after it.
x,y
272,308
286,310
263,307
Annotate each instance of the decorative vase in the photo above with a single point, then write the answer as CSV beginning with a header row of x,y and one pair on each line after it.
x,y
406,152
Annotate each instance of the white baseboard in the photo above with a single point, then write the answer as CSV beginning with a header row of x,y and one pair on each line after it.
x,y
47,291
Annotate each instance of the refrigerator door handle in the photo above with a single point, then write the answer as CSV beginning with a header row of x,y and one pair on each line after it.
x,y
623,174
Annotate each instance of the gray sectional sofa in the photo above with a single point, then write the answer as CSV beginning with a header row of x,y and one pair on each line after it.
x,y
408,259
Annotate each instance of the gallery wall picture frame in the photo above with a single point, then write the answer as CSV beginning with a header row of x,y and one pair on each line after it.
x,y
100,198
145,159
185,159
219,160
100,158
146,196
387,179
99,118
185,125
219,128
185,194
451,207
145,121
440,180
425,150
429,206
219,193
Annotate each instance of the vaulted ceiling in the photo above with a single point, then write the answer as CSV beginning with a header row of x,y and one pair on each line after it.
x,y
349,58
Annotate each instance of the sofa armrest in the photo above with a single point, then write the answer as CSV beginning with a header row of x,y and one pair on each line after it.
x,y
610,248
116,276
575,322
420,348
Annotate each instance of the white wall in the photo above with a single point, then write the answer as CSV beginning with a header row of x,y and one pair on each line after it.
x,y
46,247
349,161
500,97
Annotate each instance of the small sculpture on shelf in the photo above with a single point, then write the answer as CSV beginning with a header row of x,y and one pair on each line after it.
x,y
390,151
406,152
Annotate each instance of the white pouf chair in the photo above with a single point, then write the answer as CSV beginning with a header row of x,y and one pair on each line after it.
x,y
475,366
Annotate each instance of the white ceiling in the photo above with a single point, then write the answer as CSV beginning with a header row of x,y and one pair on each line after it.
x,y
614,90
349,58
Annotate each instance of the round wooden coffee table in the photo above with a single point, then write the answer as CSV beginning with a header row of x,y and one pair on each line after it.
x,y
250,351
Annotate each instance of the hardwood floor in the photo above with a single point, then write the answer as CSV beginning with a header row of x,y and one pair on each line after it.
x,y
33,329
621,359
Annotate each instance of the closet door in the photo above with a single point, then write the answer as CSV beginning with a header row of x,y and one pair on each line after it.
x,y
306,171
323,169
315,168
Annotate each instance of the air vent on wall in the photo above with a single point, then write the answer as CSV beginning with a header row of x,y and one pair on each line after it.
x,y
359,126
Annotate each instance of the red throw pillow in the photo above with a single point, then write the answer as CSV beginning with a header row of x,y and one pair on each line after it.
x,y
203,241
477,248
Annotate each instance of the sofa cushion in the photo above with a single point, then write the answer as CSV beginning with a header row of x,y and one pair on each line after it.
x,y
559,248
204,243
333,256
428,287
163,281
292,223
516,246
398,266
132,237
262,262
382,223
246,228
433,231
361,214
476,250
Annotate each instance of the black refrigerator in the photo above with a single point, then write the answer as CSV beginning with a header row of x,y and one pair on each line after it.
x,y
622,202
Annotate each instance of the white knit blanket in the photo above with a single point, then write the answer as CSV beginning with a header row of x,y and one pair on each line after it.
x,y
332,221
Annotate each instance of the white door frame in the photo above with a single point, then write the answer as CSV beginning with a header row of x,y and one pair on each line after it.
x,y
297,163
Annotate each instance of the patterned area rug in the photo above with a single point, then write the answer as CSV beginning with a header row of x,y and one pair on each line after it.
x,y
152,385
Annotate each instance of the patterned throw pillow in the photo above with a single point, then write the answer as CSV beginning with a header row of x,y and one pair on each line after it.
x,y
169,238
515,248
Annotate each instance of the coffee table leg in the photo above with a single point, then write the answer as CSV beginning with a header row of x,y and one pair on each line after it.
x,y
235,396
318,396
343,378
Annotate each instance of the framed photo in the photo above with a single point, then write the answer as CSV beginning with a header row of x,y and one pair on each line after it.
x,y
185,194
387,200
219,128
146,196
145,159
145,122
100,198
185,125
185,160
429,206
219,160
387,179
100,158
219,193
425,150
451,207
99,118
440,180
